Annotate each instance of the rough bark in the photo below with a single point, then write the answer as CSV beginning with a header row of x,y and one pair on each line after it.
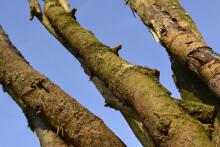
x,y
134,85
172,26
75,124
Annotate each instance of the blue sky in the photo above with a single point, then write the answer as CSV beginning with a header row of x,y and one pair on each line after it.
x,y
113,23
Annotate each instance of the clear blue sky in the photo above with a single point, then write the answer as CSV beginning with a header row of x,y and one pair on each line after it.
x,y
113,23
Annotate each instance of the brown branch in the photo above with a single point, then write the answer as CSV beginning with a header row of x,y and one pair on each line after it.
x,y
74,123
190,86
177,32
133,85
173,27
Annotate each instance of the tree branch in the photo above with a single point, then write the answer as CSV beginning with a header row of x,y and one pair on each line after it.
x,y
130,116
175,30
133,85
74,123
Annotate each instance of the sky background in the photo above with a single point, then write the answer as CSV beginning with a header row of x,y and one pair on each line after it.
x,y
113,23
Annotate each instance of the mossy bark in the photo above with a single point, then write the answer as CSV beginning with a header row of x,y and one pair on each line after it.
x,y
136,86
128,113
74,123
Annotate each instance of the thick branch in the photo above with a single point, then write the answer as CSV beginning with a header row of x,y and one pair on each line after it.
x,y
176,31
135,86
130,116
72,121
172,26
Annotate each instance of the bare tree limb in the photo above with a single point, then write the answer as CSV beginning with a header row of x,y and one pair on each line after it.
x,y
190,86
179,35
74,123
133,85
130,116
113,102
175,30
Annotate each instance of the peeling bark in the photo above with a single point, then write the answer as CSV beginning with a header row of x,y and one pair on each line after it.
x,y
174,29
134,85
75,124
